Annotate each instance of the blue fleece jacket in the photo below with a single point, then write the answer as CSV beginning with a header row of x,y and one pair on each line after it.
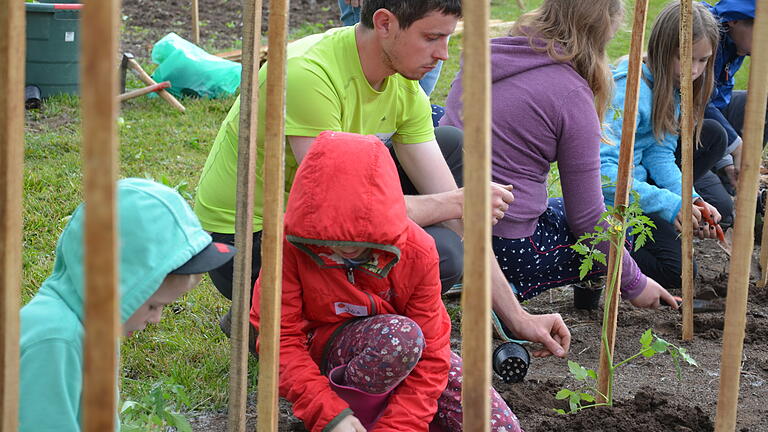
x,y
158,232
653,160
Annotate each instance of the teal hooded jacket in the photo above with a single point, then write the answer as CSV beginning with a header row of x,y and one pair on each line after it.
x,y
158,232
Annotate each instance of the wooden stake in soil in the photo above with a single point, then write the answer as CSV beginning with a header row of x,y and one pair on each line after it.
x,y
99,68
738,281
196,22
12,49
476,328
272,245
686,139
623,180
246,169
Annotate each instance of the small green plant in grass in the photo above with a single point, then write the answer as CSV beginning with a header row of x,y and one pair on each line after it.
x,y
156,410
586,395
614,225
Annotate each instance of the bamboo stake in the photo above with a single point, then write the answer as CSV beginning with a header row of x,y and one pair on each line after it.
x,y
246,175
274,181
196,24
521,5
476,326
12,47
623,180
686,139
738,281
99,68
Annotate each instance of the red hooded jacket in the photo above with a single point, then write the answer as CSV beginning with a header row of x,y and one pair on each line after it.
x,y
347,191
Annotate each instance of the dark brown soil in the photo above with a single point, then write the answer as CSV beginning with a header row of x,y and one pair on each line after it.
x,y
221,21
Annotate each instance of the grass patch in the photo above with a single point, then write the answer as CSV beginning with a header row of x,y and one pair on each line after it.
x,y
187,348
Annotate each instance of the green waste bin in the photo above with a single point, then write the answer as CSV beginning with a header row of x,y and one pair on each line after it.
x,y
53,47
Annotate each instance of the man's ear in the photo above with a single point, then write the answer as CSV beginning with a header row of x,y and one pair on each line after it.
x,y
385,22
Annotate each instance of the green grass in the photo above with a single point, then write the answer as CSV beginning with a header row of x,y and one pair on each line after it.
x,y
187,348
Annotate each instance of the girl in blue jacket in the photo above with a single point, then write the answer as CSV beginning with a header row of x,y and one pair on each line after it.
x,y
657,176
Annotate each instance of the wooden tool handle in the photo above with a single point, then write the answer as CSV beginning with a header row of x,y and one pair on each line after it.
x,y
149,81
142,91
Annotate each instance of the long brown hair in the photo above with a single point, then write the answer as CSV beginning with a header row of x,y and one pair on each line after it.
x,y
577,32
663,48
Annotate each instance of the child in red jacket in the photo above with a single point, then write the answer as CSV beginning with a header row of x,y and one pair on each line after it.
x,y
365,337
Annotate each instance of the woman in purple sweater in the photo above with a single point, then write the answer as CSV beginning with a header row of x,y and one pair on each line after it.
x,y
549,99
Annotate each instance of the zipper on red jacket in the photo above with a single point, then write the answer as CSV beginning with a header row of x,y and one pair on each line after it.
x,y
351,275
351,279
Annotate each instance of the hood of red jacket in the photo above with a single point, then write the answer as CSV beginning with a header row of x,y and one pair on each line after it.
x,y
347,193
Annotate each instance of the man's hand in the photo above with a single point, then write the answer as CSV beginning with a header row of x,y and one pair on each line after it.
x,y
549,330
653,294
350,423
501,198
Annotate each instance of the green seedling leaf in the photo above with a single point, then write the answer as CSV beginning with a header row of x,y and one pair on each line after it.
x,y
586,397
592,374
688,359
580,248
560,411
585,267
660,345
574,402
578,371
600,257
563,394
646,338
181,423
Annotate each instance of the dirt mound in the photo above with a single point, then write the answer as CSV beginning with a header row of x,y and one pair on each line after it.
x,y
648,411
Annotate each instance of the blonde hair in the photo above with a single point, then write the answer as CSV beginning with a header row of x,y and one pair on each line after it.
x,y
576,32
663,48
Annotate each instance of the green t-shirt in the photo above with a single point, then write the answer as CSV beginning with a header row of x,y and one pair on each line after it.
x,y
325,90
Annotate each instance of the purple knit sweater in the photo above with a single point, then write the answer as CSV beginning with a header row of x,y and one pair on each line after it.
x,y
543,112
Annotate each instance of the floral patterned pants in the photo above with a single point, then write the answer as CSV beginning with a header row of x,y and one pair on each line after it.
x,y
380,351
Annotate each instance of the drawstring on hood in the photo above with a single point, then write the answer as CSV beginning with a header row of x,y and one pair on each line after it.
x,y
366,195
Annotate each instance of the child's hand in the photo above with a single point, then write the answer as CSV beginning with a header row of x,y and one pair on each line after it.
x,y
350,423
653,294
695,216
708,225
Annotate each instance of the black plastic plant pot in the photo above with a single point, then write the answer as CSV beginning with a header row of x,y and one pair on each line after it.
x,y
32,99
586,298
510,362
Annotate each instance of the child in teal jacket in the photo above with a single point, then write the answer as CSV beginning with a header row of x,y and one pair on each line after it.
x,y
162,252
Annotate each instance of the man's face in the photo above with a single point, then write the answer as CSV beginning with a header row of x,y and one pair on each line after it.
x,y
173,287
416,50
741,34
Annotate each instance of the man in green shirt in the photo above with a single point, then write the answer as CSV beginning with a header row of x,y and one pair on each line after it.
x,y
357,79
363,79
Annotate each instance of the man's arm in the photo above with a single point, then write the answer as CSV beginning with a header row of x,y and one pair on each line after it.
x,y
549,329
300,146
441,201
